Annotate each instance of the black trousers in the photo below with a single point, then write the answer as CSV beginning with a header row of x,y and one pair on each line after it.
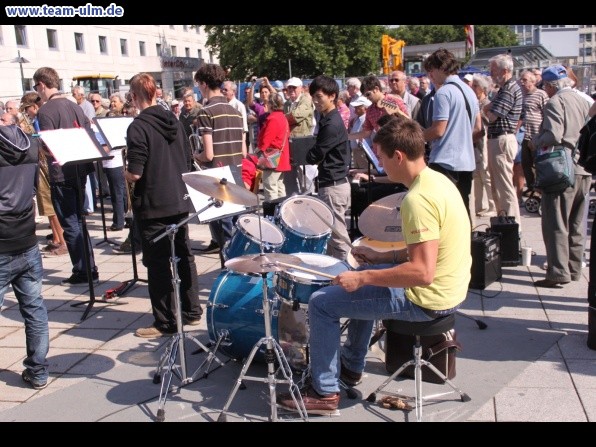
x,y
461,179
156,257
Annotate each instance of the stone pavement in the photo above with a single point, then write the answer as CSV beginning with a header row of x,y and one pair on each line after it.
x,y
530,364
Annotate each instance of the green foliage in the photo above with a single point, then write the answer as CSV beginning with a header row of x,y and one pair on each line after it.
x,y
264,50
486,36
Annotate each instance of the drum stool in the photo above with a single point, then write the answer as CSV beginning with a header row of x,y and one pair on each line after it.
x,y
419,329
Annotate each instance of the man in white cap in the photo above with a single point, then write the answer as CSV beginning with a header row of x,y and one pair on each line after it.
x,y
360,104
299,111
468,79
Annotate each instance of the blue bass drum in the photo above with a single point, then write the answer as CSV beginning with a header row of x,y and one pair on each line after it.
x,y
235,312
304,231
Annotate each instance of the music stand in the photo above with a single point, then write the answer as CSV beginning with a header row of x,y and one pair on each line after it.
x,y
299,147
73,147
105,239
112,131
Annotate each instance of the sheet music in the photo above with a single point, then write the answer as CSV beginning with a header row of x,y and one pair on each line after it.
x,y
70,145
114,129
200,200
372,157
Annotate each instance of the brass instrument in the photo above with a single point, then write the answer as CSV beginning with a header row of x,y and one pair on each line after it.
x,y
196,145
130,188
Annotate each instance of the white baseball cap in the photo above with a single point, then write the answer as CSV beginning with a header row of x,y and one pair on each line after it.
x,y
360,101
294,82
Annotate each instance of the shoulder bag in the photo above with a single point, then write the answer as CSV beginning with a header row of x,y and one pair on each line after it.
x,y
555,170
268,159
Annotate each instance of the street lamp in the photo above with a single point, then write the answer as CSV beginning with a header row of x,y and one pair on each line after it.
x,y
21,60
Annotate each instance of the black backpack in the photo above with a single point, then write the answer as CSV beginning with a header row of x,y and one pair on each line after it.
x,y
586,146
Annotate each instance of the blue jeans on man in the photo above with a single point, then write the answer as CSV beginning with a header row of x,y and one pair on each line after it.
x,y
369,303
25,272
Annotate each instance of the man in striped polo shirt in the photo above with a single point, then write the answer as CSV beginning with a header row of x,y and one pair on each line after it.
x,y
222,133
503,116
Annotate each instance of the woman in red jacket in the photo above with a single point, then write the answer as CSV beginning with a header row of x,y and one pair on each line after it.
x,y
275,133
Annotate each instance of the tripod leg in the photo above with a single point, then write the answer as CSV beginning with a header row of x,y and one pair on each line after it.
x,y
165,384
209,360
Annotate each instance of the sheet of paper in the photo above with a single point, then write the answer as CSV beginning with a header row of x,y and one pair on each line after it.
x,y
200,200
70,145
114,129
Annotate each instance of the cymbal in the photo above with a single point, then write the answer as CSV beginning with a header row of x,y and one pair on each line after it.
x,y
381,220
264,263
220,189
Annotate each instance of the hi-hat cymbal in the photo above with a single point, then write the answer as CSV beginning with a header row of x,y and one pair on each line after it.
x,y
381,220
267,262
220,189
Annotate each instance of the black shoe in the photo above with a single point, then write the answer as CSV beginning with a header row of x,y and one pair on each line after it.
x,y
76,280
213,247
549,283
350,378
191,321
115,228
36,384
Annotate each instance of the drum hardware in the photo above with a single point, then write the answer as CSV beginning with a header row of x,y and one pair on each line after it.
x,y
381,220
274,350
332,228
176,344
262,263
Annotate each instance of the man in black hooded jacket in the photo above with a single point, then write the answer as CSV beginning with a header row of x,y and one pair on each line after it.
x,y
20,259
157,155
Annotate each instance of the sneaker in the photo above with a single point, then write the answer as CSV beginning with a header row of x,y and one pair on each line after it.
x,y
53,253
314,403
76,280
152,332
350,378
36,384
213,247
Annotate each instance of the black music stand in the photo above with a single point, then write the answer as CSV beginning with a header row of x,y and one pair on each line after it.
x,y
105,239
74,147
299,147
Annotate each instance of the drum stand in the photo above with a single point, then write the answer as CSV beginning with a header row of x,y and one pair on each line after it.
x,y
273,352
168,358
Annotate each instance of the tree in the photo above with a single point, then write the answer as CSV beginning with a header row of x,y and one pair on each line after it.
x,y
336,50
486,36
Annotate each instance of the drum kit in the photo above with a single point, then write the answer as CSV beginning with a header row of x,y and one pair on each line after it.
x,y
257,307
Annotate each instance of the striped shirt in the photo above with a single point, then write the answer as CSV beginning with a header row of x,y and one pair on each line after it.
x,y
532,112
507,105
224,123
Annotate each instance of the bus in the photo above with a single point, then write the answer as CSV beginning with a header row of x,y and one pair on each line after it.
x,y
104,84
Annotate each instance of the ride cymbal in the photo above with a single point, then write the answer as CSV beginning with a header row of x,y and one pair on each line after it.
x,y
267,262
381,220
220,189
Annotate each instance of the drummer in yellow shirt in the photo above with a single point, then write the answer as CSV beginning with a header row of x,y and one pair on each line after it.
x,y
426,280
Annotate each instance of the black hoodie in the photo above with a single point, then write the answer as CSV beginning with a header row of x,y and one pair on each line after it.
x,y
159,151
18,184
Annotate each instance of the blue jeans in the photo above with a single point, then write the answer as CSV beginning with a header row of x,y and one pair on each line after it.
x,y
363,306
64,199
24,271
118,195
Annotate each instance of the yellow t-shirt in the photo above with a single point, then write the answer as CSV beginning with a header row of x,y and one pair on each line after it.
x,y
433,209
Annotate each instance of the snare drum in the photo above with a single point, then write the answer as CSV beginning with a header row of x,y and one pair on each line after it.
x,y
295,285
375,245
235,312
303,230
246,240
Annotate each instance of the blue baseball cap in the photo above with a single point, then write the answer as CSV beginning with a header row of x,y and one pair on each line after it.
x,y
554,73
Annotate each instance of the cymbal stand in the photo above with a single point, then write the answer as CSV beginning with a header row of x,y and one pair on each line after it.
x,y
176,344
273,352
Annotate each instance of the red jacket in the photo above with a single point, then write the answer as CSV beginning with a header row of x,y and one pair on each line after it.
x,y
276,133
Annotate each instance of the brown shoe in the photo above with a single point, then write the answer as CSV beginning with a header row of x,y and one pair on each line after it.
x,y
350,378
60,251
151,332
314,403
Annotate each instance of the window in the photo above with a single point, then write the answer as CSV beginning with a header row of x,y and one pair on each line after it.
x,y
158,49
20,32
210,57
142,50
174,50
589,51
124,47
589,37
187,52
52,39
79,42
185,28
200,53
103,45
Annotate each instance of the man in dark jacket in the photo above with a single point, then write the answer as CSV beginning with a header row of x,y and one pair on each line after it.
x,y
20,259
158,154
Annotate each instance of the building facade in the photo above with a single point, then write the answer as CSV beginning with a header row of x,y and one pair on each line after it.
x,y
171,53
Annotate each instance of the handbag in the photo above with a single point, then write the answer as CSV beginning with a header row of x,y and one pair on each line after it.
x,y
555,170
439,350
269,158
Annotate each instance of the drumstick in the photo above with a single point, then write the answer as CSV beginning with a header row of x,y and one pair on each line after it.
x,y
332,228
304,269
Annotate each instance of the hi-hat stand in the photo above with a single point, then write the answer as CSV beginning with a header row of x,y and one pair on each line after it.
x,y
176,344
273,352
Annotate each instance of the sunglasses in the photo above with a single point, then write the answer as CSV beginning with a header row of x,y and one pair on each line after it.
x,y
95,100
35,86
367,94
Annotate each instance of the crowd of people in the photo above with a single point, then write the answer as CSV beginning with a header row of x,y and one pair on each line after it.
x,y
452,142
